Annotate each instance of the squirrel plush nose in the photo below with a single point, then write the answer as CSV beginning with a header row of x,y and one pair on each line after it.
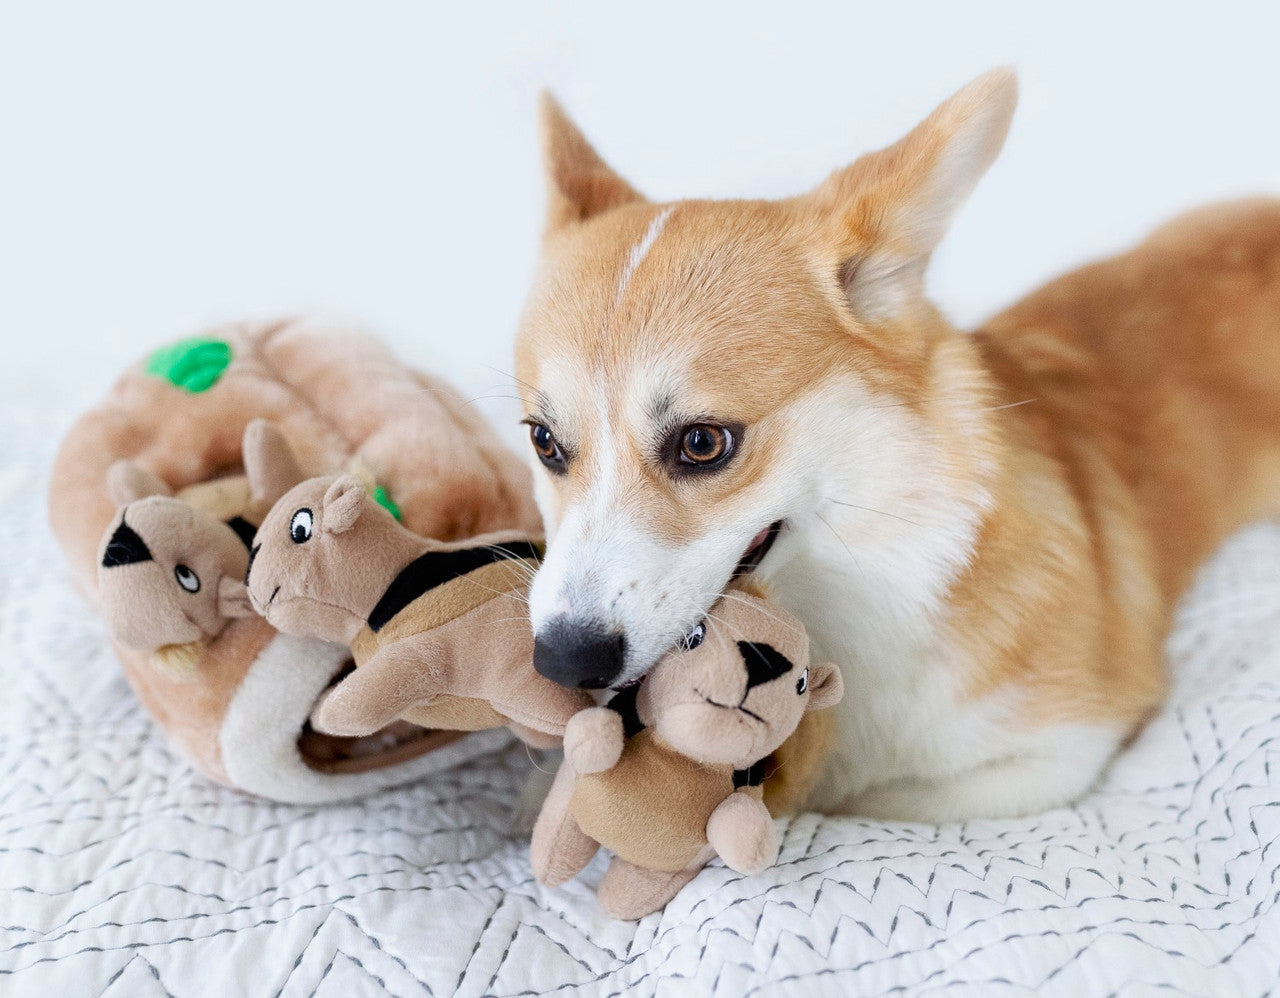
x,y
764,662
578,657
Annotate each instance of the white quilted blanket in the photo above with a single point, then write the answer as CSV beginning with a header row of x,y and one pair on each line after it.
x,y
122,873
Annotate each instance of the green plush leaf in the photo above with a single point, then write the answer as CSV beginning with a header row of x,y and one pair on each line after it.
x,y
193,364
383,499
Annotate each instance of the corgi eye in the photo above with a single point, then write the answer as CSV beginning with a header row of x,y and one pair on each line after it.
x,y
695,637
300,526
705,444
802,683
187,579
545,446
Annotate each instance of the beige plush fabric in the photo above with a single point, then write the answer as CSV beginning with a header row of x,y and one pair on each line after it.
x,y
688,786
337,395
439,631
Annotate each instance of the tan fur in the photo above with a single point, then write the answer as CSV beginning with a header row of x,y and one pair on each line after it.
x,y
1101,437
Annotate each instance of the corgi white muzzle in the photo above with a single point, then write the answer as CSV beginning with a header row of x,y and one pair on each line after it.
x,y
609,601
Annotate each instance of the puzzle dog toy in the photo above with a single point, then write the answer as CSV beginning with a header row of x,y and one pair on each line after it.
x,y
162,456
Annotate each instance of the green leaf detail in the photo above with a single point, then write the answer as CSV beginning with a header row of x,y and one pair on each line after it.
x,y
383,499
193,364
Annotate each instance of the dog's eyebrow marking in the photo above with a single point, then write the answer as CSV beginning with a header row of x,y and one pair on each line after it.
x,y
641,249
659,408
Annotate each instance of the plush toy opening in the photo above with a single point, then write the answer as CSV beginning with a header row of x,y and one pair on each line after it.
x,y
397,742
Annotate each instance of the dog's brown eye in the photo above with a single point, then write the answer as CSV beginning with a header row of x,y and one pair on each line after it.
x,y
544,444
705,444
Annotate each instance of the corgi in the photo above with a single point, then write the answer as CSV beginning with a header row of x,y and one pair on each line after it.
x,y
986,531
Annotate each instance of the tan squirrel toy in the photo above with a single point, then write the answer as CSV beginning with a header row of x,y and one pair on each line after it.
x,y
171,567
669,774
439,631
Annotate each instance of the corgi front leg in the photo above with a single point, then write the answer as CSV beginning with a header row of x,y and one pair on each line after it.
x,y
1063,765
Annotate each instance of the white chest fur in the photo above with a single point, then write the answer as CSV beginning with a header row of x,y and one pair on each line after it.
x,y
910,743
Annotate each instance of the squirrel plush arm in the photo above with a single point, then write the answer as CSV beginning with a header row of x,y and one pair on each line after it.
x,y
398,677
539,705
742,833
593,740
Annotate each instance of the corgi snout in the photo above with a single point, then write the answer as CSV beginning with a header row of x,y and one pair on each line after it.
x,y
579,656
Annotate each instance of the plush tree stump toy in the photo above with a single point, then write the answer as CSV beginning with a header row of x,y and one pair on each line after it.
x,y
669,774
150,502
439,631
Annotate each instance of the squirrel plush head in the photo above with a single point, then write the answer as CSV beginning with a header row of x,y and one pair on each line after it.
x,y
737,686
321,558
169,575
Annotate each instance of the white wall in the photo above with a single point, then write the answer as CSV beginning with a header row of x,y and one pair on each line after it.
x,y
163,167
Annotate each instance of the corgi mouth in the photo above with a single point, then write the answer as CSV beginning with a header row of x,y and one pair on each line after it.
x,y
398,742
757,549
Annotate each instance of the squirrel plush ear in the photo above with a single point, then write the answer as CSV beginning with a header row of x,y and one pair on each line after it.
x,y
233,598
826,686
128,482
269,462
343,503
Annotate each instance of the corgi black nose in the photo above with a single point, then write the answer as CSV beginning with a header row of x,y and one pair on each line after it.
x,y
587,658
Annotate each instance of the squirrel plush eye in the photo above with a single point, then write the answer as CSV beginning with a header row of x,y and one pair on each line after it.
x,y
802,683
187,579
695,637
300,526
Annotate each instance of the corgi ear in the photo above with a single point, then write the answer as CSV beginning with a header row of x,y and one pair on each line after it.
x,y
579,183
826,686
891,208
128,482
269,462
344,501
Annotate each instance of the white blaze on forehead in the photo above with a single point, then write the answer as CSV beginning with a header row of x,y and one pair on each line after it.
x,y
641,249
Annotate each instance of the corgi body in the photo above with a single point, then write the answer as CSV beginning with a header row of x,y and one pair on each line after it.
x,y
986,531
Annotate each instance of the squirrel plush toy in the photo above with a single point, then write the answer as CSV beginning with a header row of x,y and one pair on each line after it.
x,y
439,631
669,774
171,566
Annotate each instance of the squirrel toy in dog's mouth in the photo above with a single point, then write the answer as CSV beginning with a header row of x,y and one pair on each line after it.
x,y
670,773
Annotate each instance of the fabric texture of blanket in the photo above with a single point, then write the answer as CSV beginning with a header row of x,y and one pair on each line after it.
x,y
122,872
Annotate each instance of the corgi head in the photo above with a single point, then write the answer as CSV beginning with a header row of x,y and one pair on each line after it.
x,y
703,379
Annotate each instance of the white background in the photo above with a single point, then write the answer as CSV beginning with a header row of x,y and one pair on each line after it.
x,y
168,166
